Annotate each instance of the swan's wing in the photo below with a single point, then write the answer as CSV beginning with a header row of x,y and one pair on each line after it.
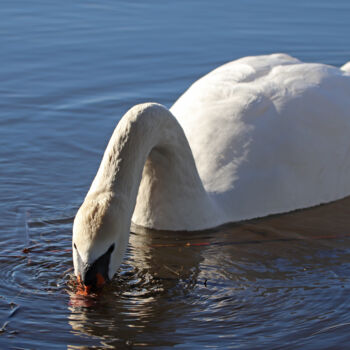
x,y
270,133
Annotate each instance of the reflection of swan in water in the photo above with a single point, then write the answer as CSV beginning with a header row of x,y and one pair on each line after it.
x,y
241,262
269,134
158,269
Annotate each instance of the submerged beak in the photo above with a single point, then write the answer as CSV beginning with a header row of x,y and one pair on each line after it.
x,y
95,275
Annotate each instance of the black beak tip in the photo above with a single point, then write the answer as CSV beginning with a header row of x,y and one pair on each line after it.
x,y
93,279
95,275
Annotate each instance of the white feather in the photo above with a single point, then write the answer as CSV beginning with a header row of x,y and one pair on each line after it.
x,y
257,136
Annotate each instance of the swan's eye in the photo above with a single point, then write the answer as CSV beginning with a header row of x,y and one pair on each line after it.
x,y
110,249
75,246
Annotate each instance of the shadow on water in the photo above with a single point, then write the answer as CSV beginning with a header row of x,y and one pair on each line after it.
x,y
278,280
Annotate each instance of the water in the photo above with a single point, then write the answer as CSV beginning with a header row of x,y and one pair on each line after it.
x,y
69,71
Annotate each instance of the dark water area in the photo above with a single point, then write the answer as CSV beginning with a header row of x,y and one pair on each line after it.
x,y
68,72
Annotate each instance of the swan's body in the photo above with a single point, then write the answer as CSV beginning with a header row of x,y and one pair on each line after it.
x,y
268,135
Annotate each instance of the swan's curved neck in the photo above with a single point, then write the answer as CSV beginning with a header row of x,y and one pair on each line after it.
x,y
148,164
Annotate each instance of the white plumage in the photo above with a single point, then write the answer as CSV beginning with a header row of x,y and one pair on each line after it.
x,y
268,134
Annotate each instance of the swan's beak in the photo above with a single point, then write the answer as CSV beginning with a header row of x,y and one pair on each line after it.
x,y
95,275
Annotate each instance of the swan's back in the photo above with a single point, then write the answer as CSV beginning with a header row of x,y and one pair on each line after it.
x,y
270,134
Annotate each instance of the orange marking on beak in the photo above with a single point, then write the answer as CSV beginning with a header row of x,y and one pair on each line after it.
x,y
81,288
100,280
87,289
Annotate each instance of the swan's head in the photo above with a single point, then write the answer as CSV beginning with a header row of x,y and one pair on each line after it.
x,y
100,238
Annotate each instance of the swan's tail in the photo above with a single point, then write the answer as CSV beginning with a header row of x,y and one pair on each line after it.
x,y
346,67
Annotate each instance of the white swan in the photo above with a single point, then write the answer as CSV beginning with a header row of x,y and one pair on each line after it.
x,y
257,136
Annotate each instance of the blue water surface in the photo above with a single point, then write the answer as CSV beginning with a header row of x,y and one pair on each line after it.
x,y
69,71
